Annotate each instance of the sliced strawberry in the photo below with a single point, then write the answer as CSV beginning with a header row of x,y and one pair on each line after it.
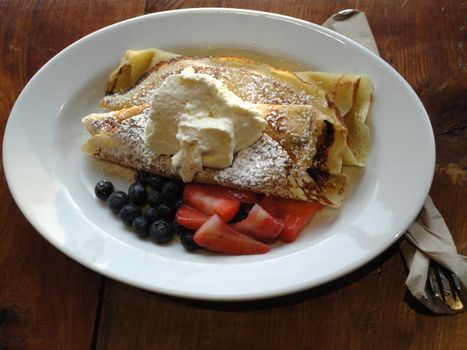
x,y
243,196
297,215
207,199
294,214
190,217
216,236
260,225
270,204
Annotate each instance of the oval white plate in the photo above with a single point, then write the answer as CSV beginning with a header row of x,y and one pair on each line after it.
x,y
52,182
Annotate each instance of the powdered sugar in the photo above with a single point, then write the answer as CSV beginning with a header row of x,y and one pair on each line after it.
x,y
262,166
277,119
253,83
129,134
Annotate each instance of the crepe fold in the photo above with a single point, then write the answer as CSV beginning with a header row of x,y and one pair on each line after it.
x,y
349,95
299,155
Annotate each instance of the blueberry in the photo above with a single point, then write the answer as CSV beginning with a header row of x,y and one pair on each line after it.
x,y
148,179
141,226
156,182
151,214
129,212
188,243
165,212
242,212
160,231
117,201
172,191
178,204
137,193
154,198
103,189
142,177
180,230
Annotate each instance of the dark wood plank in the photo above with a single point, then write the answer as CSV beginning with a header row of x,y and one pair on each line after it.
x,y
356,312
47,301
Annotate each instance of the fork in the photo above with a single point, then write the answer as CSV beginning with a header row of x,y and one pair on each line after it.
x,y
445,286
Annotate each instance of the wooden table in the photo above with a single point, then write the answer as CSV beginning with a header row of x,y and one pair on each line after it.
x,y
48,301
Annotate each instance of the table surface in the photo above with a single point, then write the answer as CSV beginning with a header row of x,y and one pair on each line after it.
x,y
48,301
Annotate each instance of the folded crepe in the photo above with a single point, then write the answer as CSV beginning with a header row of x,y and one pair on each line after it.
x,y
299,154
350,95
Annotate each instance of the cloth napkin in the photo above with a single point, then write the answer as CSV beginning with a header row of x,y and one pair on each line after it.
x,y
428,237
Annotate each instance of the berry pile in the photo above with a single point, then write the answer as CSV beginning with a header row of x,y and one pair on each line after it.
x,y
217,218
149,207
238,222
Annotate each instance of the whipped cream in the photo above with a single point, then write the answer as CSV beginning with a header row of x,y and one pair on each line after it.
x,y
195,118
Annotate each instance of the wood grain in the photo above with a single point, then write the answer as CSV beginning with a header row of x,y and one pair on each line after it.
x,y
48,301
361,311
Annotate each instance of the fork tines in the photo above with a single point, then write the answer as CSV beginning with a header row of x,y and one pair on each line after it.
x,y
445,286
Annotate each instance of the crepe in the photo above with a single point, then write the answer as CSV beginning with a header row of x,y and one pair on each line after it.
x,y
298,156
133,65
351,95
301,151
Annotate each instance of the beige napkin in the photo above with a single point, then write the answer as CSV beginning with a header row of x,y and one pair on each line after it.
x,y
428,237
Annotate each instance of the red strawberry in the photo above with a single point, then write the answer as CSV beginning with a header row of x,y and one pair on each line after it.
x,y
260,225
270,204
243,196
210,201
294,214
190,218
216,236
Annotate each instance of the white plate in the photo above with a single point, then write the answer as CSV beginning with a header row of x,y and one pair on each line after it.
x,y
52,182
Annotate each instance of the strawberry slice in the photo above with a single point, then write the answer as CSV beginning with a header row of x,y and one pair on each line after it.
x,y
260,225
270,204
294,214
243,196
190,218
216,236
210,201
